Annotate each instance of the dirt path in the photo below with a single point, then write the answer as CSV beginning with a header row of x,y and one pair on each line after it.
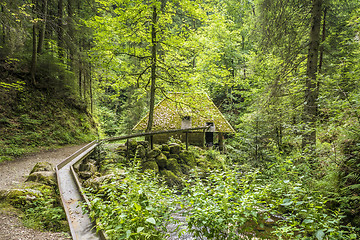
x,y
14,173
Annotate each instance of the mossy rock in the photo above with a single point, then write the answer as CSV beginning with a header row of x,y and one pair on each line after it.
x,y
150,165
20,196
188,158
145,144
96,182
153,153
46,178
161,161
175,148
173,165
88,167
171,179
42,167
165,148
166,153
131,145
203,163
85,174
140,151
174,156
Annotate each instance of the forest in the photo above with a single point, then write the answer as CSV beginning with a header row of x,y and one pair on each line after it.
x,y
284,73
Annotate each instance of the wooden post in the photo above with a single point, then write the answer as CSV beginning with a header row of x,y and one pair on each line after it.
x,y
203,138
127,150
221,142
152,141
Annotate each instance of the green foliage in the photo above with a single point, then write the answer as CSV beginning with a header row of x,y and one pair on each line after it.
x,y
43,212
132,205
223,205
37,120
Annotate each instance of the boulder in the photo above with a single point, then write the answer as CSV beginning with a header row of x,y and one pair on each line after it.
x,y
131,145
161,161
165,148
96,182
188,158
173,166
171,179
140,151
85,174
150,165
44,177
174,148
152,154
174,156
88,166
145,144
42,167
167,153
20,196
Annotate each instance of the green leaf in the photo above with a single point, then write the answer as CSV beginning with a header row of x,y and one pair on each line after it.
x,y
306,221
319,234
151,220
128,233
286,202
137,207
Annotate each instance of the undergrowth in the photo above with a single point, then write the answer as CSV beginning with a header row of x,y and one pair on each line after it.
x,y
284,199
36,120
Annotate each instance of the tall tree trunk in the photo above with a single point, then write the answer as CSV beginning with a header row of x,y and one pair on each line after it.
x,y
323,38
60,30
43,11
311,90
70,7
80,79
91,91
3,29
153,69
34,56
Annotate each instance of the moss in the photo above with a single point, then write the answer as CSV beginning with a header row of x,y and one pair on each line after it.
x,y
173,165
171,179
165,148
18,197
140,151
161,160
152,154
150,165
188,158
175,148
44,177
169,112
42,166
131,145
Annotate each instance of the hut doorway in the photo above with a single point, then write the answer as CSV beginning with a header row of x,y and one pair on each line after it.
x,y
209,134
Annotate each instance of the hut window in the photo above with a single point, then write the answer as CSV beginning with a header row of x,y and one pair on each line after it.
x,y
185,122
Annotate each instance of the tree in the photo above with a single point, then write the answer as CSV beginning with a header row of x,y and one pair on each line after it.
x,y
311,85
145,42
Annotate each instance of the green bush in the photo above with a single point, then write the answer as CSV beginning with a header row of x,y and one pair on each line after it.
x,y
132,205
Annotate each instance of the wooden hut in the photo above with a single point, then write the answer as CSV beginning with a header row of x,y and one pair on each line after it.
x,y
187,110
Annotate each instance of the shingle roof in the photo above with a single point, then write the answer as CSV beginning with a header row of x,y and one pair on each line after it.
x,y
168,113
